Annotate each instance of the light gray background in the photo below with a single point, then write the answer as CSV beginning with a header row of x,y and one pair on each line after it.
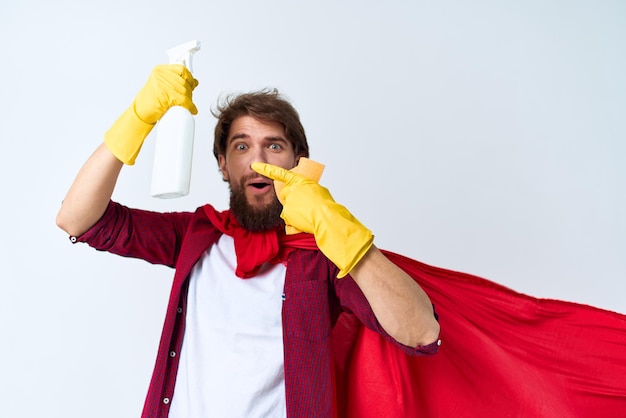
x,y
484,136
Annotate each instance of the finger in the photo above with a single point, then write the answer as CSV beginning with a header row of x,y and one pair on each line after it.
x,y
178,83
190,106
274,172
188,77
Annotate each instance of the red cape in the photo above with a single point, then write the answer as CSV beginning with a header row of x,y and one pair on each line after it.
x,y
503,354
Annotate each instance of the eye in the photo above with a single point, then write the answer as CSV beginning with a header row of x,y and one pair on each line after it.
x,y
275,147
240,147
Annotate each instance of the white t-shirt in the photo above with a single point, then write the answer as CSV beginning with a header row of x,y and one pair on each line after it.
x,y
231,359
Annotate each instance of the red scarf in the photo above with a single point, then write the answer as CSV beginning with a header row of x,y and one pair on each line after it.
x,y
253,249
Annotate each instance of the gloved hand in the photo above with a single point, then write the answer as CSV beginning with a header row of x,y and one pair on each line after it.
x,y
310,169
309,207
168,85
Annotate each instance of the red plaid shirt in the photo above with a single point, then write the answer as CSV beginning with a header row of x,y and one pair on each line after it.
x,y
313,300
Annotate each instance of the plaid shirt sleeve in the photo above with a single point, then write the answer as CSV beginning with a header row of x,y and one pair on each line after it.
x,y
152,236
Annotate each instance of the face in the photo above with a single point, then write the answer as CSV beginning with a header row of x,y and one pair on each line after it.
x,y
253,200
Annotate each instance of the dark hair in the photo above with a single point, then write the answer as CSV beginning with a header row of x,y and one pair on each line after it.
x,y
265,105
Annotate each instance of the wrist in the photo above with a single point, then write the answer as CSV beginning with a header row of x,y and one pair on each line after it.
x,y
125,137
343,239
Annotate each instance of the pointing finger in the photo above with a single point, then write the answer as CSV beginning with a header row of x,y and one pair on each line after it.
x,y
274,172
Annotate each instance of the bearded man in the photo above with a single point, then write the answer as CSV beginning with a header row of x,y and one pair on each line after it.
x,y
252,309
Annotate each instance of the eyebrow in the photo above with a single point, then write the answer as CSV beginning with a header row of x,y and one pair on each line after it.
x,y
237,136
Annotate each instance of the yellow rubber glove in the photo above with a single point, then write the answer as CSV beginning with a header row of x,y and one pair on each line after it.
x,y
309,207
310,169
168,85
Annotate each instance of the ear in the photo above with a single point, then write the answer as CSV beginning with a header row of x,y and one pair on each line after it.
x,y
221,160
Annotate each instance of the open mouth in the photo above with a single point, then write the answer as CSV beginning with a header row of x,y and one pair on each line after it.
x,y
260,184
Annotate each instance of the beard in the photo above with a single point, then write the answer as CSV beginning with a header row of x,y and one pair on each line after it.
x,y
252,218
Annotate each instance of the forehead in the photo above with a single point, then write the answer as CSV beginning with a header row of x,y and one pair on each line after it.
x,y
251,127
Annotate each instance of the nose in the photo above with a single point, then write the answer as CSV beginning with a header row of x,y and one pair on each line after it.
x,y
258,155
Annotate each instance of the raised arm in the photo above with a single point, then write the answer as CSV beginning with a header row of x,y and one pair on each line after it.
x,y
399,303
88,197
90,192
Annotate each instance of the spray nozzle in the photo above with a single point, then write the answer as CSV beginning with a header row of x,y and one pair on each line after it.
x,y
182,54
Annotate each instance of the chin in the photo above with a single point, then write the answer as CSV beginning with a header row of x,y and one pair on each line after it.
x,y
260,202
256,212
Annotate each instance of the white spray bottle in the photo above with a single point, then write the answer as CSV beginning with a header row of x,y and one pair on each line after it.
x,y
171,170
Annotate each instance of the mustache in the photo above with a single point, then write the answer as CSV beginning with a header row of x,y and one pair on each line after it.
x,y
252,176
248,177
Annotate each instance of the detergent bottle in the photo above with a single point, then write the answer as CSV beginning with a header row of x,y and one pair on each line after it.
x,y
171,170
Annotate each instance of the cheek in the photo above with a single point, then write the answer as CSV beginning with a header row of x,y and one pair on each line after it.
x,y
232,169
284,161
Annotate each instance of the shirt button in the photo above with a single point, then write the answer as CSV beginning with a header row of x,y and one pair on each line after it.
x,y
172,354
438,342
73,239
284,297
180,310
166,400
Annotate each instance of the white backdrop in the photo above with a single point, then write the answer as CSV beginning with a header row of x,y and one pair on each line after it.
x,y
486,137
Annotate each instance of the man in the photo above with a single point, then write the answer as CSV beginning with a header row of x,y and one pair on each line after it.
x,y
247,330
